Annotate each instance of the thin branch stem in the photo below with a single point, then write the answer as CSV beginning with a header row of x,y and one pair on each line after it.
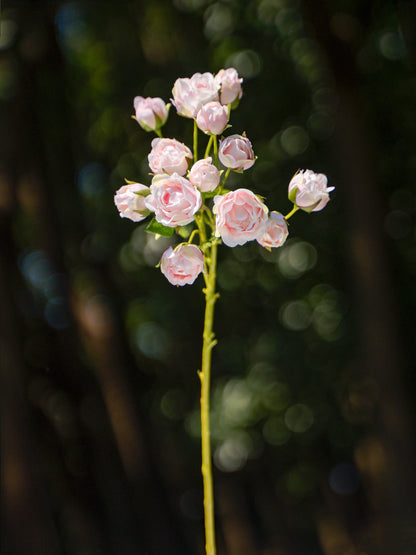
x,y
215,150
195,142
227,173
293,211
209,145
191,237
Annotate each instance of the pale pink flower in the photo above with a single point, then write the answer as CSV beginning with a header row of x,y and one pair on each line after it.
x,y
173,199
189,94
129,204
275,232
204,175
230,84
240,216
151,113
169,156
182,265
308,190
212,118
236,153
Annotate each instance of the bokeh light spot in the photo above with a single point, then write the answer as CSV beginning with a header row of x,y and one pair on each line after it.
x,y
295,315
57,313
299,418
232,454
153,340
295,140
247,62
275,431
392,46
297,258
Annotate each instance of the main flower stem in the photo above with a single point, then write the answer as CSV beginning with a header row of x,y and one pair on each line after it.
x,y
209,342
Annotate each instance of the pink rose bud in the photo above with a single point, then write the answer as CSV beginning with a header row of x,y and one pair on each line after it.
x,y
169,156
275,233
204,175
230,84
129,204
151,113
212,118
190,94
236,153
308,190
240,216
173,199
183,265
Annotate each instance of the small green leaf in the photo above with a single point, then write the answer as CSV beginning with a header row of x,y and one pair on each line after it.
x,y
184,231
129,182
142,192
160,229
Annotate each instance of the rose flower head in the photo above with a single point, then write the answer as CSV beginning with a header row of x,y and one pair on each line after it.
x,y
240,216
151,113
129,204
169,156
204,175
173,199
230,84
212,118
189,94
182,265
275,232
308,190
236,153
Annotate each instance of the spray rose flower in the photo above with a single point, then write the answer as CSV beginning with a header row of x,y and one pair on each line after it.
x,y
189,94
308,190
212,118
204,175
236,153
169,156
240,216
230,84
129,204
151,113
182,265
173,199
275,232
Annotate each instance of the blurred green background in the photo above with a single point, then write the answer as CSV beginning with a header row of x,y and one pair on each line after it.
x,y
313,389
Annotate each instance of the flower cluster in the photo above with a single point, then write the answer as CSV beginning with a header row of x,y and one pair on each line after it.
x,y
186,189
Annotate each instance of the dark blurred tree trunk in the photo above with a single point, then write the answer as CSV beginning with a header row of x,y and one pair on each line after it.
x,y
143,521
386,460
27,521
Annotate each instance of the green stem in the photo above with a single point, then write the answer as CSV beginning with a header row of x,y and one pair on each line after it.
x,y
295,209
194,232
215,150
209,342
209,145
227,173
159,133
195,142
